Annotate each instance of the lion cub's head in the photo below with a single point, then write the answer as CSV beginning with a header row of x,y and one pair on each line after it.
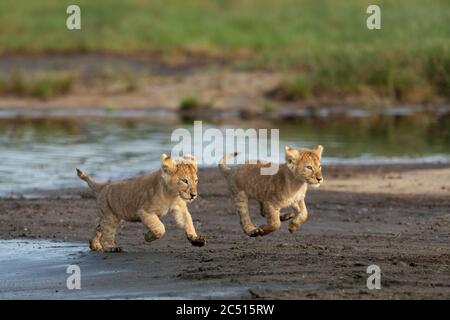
x,y
305,164
181,176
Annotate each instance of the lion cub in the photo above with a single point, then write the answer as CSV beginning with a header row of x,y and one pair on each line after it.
x,y
285,188
146,199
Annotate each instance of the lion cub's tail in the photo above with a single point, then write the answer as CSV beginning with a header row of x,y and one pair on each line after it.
x,y
96,186
223,163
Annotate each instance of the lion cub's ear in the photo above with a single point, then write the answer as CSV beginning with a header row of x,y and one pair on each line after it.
x,y
192,160
318,150
167,164
290,154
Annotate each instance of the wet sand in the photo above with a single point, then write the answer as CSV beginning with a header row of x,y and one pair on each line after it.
x,y
355,220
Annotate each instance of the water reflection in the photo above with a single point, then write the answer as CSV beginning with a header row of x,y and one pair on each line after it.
x,y
42,153
383,136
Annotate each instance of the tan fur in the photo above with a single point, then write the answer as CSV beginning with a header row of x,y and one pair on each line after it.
x,y
146,199
286,188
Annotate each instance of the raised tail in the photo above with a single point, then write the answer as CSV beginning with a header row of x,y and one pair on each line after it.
x,y
223,167
96,186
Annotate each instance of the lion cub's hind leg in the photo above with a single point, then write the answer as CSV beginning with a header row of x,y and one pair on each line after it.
x,y
94,243
108,226
241,204
273,221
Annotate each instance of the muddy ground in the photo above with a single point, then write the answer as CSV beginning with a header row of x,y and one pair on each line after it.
x,y
405,234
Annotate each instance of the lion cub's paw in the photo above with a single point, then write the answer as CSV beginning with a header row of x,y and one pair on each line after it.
x,y
256,232
200,241
112,249
293,227
149,237
287,216
95,246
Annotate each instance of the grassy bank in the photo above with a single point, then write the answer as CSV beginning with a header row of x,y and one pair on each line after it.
x,y
325,43
39,85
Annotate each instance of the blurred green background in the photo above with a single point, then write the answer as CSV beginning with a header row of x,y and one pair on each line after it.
x,y
327,42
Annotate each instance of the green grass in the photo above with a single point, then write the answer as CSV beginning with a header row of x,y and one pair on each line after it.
x,y
325,42
40,85
270,106
400,76
189,103
274,29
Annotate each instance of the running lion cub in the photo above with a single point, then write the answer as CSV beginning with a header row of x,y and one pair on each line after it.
x,y
285,188
146,199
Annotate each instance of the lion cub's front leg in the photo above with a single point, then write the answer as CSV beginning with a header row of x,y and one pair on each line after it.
x,y
283,217
301,215
184,221
151,221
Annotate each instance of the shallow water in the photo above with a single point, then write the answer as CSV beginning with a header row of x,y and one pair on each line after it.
x,y
27,265
37,269
41,154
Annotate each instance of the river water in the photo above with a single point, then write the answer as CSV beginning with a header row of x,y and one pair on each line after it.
x,y
41,154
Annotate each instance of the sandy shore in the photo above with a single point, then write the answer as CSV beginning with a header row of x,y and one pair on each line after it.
x,y
420,182
397,217
226,89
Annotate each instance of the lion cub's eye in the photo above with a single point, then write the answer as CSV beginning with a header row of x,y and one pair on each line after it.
x,y
184,181
196,181
309,167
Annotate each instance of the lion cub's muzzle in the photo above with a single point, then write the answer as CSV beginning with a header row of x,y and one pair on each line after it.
x,y
188,196
193,196
315,183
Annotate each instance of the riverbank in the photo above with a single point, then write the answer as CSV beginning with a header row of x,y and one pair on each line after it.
x,y
355,220
196,87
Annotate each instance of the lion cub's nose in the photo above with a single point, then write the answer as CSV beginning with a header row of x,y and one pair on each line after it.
x,y
319,179
193,195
